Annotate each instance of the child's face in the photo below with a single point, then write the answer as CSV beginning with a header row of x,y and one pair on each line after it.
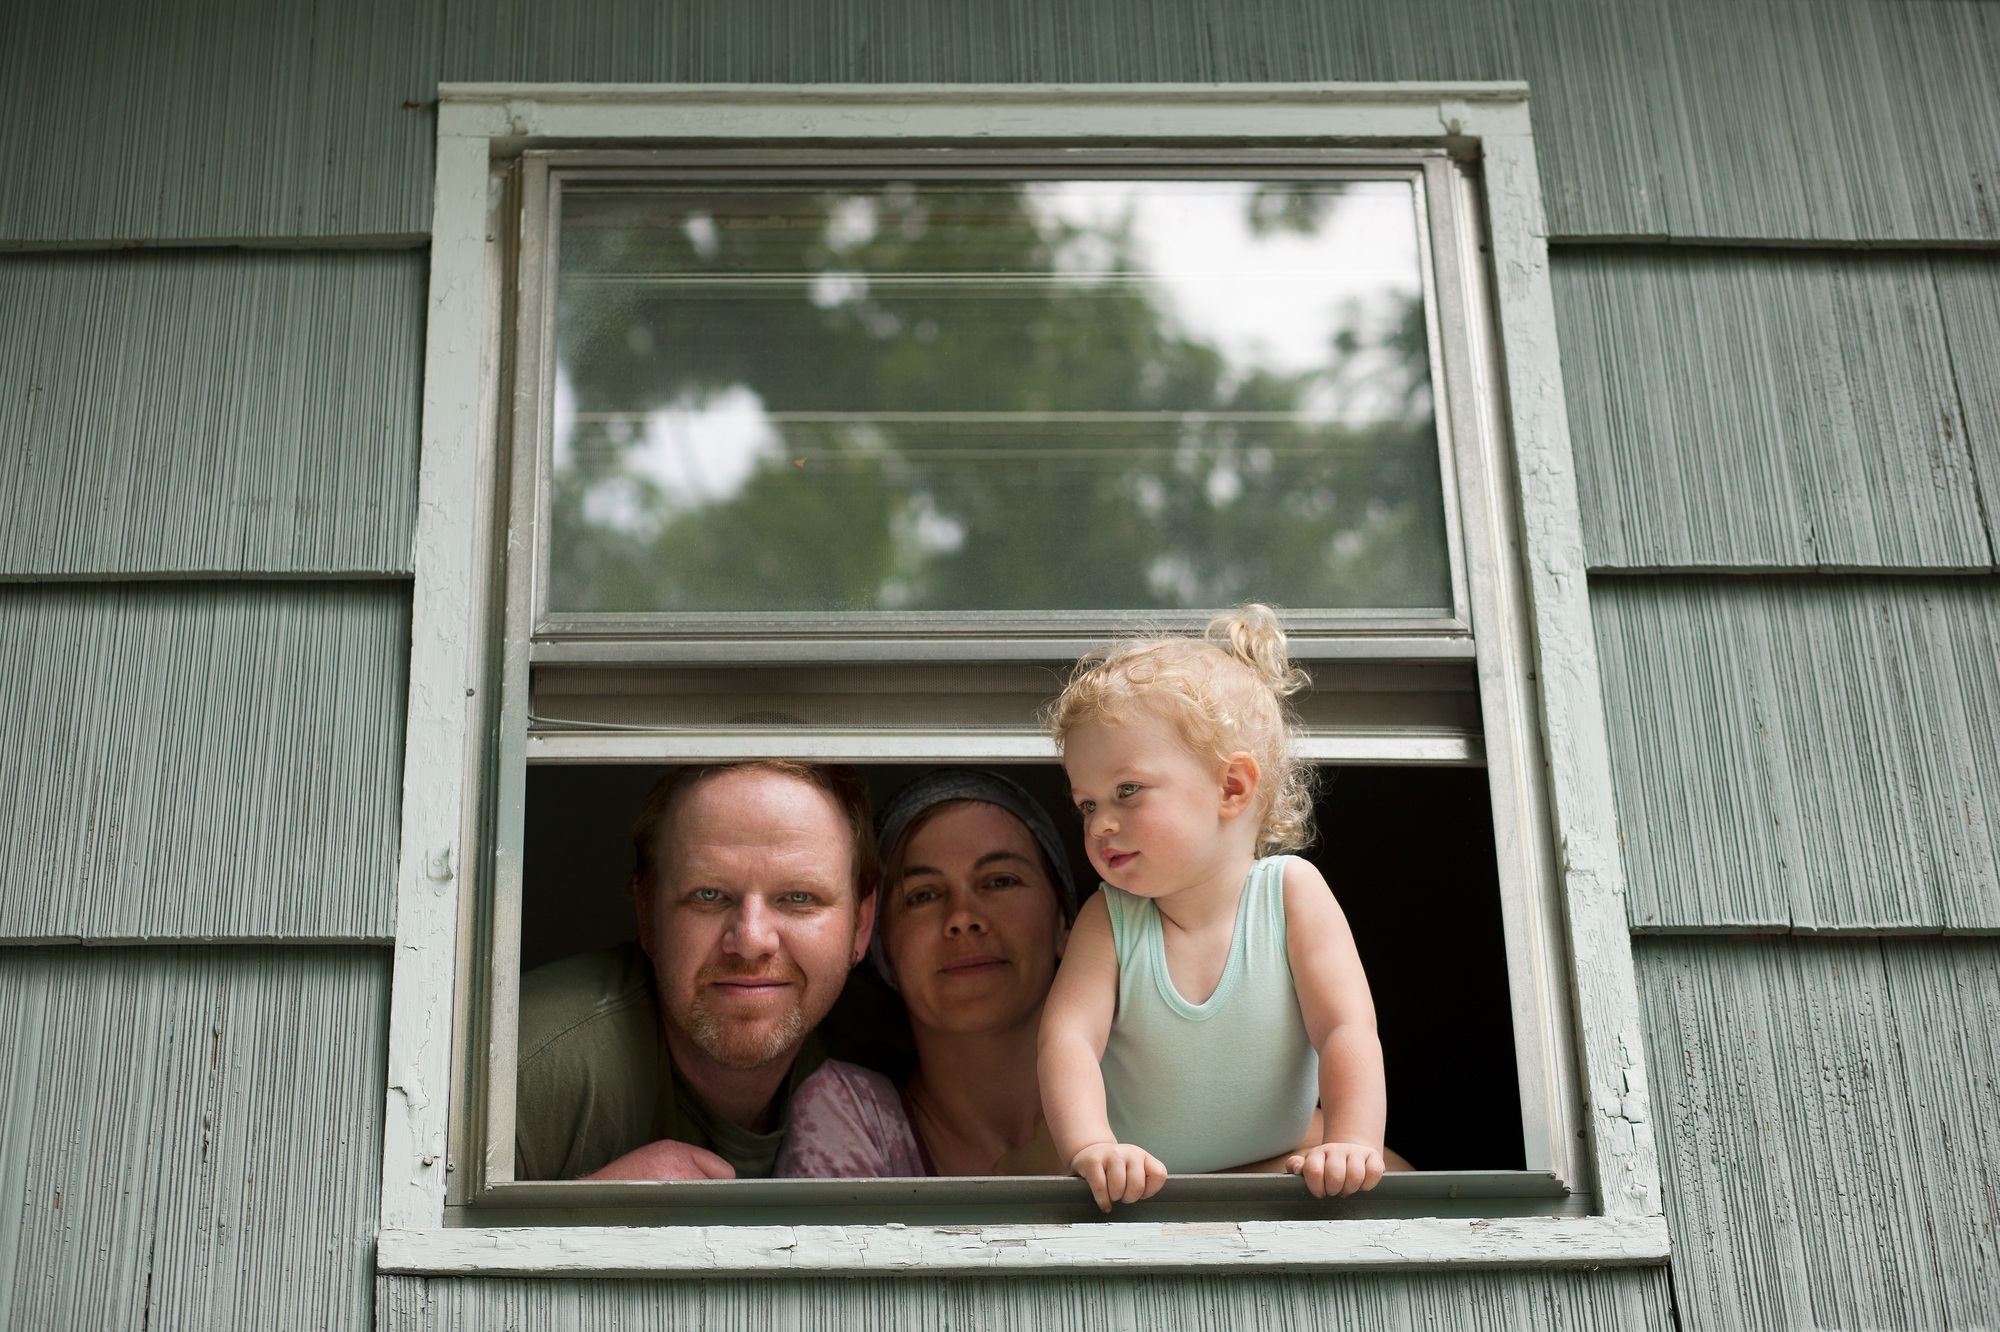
x,y
1156,818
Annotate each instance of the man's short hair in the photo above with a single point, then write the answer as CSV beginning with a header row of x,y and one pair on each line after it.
x,y
838,780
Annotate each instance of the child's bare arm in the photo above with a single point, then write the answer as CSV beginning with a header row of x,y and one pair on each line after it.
x,y
1339,1015
1076,1022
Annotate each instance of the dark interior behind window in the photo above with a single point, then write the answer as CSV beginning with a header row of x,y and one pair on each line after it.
x,y
1408,850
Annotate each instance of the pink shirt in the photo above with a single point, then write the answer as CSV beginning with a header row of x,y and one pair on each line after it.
x,y
847,1122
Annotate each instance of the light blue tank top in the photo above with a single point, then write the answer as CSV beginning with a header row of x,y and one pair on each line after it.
x,y
1217,1084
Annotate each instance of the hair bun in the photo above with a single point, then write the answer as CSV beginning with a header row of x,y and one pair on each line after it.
x,y
1223,694
1254,637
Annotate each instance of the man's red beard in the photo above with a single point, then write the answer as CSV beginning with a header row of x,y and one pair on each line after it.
x,y
740,1044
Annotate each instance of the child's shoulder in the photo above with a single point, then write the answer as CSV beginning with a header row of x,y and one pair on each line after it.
x,y
1306,891
1292,869
1110,908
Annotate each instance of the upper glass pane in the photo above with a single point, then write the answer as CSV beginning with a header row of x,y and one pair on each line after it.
x,y
997,395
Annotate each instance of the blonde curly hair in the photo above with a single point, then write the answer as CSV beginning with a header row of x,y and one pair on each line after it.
x,y
1224,692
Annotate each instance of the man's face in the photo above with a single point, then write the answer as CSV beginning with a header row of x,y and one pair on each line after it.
x,y
753,925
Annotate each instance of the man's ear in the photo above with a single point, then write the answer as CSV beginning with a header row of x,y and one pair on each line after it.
x,y
864,926
1240,778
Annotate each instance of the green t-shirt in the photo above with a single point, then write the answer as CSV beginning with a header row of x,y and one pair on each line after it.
x,y
596,1080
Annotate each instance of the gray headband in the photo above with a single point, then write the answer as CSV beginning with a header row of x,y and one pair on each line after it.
x,y
943,787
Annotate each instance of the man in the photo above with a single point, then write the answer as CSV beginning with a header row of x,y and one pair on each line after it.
x,y
676,1058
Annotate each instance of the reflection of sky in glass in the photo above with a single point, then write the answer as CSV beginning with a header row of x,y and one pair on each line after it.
x,y
1272,300
697,450
922,347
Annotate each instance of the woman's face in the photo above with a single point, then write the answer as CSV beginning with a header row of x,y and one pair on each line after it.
x,y
972,928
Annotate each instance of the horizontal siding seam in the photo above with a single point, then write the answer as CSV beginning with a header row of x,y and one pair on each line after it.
x,y
127,941
309,242
1575,243
1744,575
147,581
156,576
1750,932
1747,569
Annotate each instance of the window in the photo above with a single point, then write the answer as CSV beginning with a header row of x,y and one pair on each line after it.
x,y
843,444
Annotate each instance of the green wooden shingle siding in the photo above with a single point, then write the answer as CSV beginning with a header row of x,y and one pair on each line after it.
x,y
1630,1299
1870,120
209,412
965,41
200,760
191,1136
1826,1129
1810,753
217,120
1790,410
1794,749
1859,120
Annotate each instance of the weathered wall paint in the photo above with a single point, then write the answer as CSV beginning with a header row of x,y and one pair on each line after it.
x,y
1134,1246
1633,1299
1815,754
200,759
1782,410
1543,516
1826,1129
1739,119
1969,297
213,412
1771,119
441,712
216,120
188,1136
963,41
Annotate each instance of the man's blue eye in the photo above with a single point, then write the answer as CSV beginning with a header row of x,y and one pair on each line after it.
x,y
707,894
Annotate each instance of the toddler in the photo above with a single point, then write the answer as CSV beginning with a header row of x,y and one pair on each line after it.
x,y
1211,996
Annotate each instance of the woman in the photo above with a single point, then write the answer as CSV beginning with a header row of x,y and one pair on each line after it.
x,y
975,906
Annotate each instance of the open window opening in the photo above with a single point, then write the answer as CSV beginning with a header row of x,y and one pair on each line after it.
x,y
1407,850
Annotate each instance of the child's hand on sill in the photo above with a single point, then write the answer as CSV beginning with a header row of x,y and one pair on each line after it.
x,y
1118,1172
1338,1169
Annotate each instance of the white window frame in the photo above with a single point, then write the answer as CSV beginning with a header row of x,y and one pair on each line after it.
x,y
1541,695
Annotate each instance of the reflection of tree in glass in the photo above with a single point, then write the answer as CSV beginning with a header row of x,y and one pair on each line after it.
x,y
947,425
1286,205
